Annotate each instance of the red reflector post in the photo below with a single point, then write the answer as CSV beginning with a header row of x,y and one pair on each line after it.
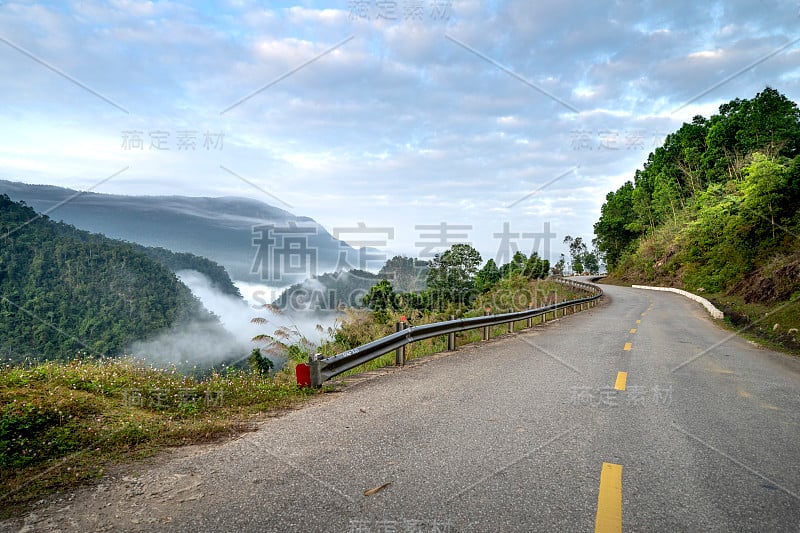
x,y
303,374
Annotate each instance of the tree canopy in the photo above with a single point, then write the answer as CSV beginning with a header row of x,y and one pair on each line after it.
x,y
451,275
64,291
717,199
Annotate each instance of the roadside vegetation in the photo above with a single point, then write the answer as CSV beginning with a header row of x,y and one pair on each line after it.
x,y
63,423
716,210
454,288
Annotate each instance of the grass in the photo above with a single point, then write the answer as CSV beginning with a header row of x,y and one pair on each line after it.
x,y
64,423
775,326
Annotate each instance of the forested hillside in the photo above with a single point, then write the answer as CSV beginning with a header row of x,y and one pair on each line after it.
x,y
719,199
715,209
177,261
63,290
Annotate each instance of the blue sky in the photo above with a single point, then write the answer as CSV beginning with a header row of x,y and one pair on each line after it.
x,y
391,114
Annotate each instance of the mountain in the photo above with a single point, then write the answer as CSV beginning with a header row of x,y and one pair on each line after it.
x,y
181,261
330,291
64,291
225,230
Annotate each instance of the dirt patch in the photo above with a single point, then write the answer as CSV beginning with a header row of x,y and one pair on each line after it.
x,y
774,282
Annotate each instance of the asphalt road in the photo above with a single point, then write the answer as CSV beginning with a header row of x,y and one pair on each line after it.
x,y
509,435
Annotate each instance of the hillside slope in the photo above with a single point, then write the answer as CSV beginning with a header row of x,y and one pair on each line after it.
x,y
64,291
715,210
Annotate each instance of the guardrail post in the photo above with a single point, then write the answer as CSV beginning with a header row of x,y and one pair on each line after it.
x,y
315,371
487,312
400,353
451,338
530,319
511,324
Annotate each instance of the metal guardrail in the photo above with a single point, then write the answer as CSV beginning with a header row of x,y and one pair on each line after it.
x,y
319,370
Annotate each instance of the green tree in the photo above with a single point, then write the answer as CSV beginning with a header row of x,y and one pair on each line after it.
x,y
405,274
536,268
591,263
259,364
577,251
616,230
451,275
487,277
560,266
381,297
517,264
770,193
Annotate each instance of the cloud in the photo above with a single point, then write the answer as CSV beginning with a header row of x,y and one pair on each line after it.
x,y
399,126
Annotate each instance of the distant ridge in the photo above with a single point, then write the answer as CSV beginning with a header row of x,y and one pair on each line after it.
x,y
220,229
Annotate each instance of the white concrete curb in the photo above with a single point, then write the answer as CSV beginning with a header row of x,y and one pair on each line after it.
x,y
713,311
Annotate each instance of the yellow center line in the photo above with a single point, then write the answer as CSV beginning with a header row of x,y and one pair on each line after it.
x,y
628,347
609,500
633,330
622,379
638,321
643,314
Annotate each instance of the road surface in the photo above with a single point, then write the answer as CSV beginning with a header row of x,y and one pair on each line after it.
x,y
524,433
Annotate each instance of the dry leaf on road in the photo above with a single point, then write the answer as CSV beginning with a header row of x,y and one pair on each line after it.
x,y
376,490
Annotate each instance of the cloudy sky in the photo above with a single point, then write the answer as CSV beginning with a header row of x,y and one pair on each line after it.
x,y
395,114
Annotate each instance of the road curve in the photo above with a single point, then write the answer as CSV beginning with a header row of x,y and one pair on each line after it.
x,y
524,433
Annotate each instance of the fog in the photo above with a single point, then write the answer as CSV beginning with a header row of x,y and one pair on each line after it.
x,y
205,344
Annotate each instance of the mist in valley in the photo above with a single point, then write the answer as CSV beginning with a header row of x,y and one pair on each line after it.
x,y
202,344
